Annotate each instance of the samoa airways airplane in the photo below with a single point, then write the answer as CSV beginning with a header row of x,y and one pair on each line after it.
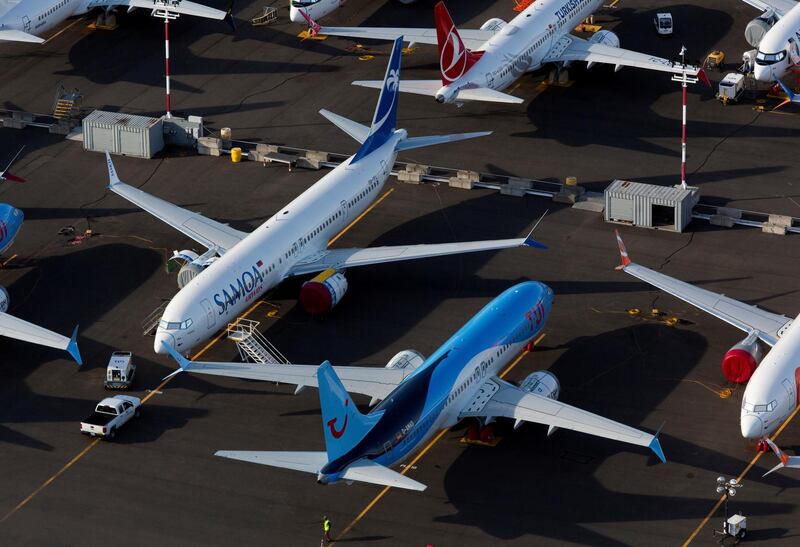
x,y
27,20
238,267
771,394
776,34
420,397
476,65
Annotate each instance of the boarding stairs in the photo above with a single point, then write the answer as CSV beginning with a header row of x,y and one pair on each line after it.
x,y
268,16
67,103
150,323
253,346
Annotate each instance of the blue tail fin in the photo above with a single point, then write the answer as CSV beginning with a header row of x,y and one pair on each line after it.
x,y
342,422
385,120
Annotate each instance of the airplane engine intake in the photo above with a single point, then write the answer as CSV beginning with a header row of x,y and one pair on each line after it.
x,y
408,358
188,271
756,29
541,382
323,293
5,300
605,37
740,362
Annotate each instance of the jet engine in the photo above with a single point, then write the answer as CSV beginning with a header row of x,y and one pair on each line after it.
x,y
5,300
191,264
756,29
408,358
741,360
541,382
494,24
445,95
605,37
321,294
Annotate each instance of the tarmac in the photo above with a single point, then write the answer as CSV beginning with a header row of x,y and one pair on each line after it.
x,y
159,482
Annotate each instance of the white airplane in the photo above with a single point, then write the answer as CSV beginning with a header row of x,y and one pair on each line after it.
x,y
476,65
27,20
318,8
772,381
420,397
776,34
238,267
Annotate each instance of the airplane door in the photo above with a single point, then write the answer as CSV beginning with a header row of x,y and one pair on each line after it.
x,y
343,207
490,80
26,23
210,318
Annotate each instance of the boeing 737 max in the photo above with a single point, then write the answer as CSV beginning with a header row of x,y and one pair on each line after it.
x,y
27,20
238,267
420,397
476,65
776,35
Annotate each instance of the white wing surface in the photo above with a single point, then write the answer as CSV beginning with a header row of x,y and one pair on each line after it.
x,y
472,38
430,87
212,234
183,7
19,36
19,329
780,7
746,317
509,401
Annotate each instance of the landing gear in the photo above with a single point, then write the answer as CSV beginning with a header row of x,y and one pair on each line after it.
x,y
762,446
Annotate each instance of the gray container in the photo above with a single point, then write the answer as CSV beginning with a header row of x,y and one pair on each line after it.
x,y
125,134
650,206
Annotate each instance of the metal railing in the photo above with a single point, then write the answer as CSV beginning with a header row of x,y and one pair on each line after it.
x,y
252,345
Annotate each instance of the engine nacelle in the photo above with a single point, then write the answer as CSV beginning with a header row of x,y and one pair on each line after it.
x,y
605,37
741,361
446,94
5,300
494,24
188,271
541,382
756,29
316,9
408,358
191,264
324,292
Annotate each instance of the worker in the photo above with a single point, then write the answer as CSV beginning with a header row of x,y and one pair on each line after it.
x,y
326,528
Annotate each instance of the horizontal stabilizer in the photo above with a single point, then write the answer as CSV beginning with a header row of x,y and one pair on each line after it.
x,y
375,473
19,36
358,131
486,95
308,462
421,142
429,88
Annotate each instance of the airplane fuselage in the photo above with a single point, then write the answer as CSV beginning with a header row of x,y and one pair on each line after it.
x,y
520,46
779,49
39,16
300,230
10,223
435,394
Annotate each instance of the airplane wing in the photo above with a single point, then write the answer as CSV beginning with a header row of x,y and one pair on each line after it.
x,y
769,326
19,36
183,7
573,48
780,7
19,329
430,87
341,259
372,381
472,38
212,234
508,401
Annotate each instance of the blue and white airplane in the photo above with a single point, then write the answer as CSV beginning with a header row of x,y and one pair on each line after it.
x,y
420,397
238,268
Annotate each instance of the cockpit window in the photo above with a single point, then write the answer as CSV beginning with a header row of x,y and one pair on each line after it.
x,y
303,4
171,325
769,407
770,58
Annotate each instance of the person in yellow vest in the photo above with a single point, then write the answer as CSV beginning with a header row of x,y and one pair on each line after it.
x,y
326,528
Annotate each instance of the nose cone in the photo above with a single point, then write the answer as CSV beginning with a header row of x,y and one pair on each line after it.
x,y
294,15
763,73
163,337
752,427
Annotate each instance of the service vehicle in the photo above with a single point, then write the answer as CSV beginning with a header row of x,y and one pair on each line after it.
x,y
731,88
120,371
663,23
110,414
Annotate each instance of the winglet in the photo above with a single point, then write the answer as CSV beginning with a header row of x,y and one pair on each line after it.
x,y
655,446
183,362
313,26
112,173
5,175
623,252
703,77
72,347
789,93
529,241
229,17
778,452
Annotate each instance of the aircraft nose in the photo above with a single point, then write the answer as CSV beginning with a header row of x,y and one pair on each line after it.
x,y
752,427
163,337
294,15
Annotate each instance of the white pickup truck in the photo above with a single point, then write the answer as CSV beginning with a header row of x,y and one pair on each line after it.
x,y
110,414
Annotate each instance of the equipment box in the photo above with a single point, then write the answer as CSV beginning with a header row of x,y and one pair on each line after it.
x,y
731,87
126,134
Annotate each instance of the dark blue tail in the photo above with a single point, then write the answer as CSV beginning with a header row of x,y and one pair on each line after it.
x,y
385,120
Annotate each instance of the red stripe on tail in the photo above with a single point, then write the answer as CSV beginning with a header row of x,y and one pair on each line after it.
x,y
454,58
12,178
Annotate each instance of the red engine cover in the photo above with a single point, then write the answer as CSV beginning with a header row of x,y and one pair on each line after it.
x,y
738,366
315,298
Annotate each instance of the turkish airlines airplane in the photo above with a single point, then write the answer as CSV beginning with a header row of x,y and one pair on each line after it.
x,y
476,65
420,397
239,268
776,34
27,20
772,380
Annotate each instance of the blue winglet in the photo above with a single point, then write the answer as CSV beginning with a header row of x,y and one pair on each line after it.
x,y
229,17
72,347
655,446
530,242
183,362
789,94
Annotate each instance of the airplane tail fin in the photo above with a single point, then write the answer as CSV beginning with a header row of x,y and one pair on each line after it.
x,y
342,423
5,175
454,58
384,121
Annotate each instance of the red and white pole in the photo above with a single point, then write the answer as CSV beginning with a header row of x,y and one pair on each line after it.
x,y
684,79
166,63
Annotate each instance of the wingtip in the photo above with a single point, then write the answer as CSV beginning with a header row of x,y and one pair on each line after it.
x,y
182,361
655,446
72,347
623,252
112,172
530,242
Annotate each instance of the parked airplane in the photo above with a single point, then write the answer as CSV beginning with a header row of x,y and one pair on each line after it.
x,y
776,34
420,397
26,21
772,382
318,8
476,65
238,267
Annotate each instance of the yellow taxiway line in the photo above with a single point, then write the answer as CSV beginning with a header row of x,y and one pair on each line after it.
x,y
362,215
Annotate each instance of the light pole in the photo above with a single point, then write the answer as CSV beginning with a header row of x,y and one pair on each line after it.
x,y
167,16
684,79
726,487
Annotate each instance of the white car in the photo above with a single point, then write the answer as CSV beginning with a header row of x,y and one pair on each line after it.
x,y
110,414
663,23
